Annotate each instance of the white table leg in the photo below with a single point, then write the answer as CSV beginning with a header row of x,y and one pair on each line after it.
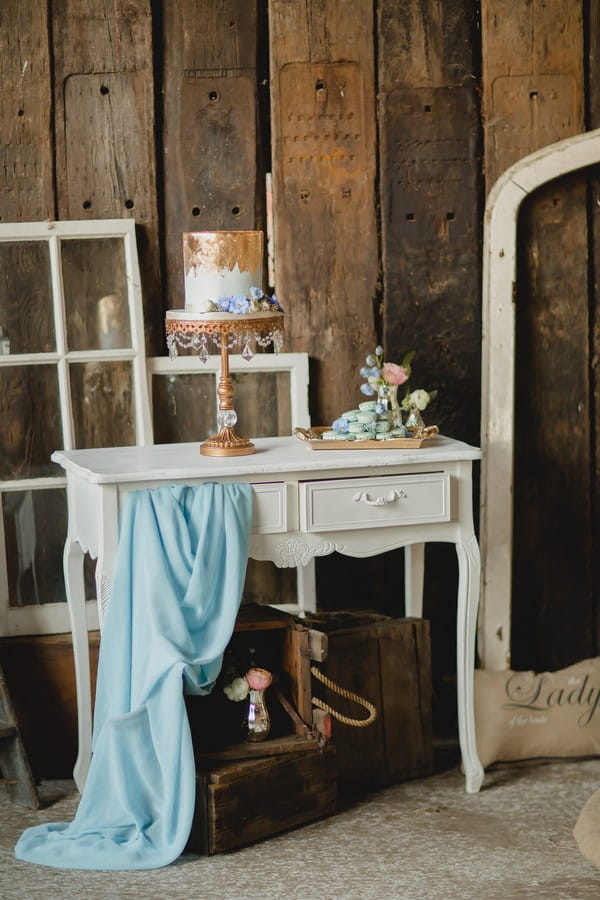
x,y
75,590
469,567
414,569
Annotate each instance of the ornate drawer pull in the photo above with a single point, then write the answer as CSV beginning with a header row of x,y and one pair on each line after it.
x,y
363,497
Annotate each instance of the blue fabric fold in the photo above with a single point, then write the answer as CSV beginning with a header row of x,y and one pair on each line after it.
x,y
177,588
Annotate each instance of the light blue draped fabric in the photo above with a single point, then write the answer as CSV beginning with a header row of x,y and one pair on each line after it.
x,y
177,587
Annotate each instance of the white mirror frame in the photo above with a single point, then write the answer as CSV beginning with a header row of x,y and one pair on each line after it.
x,y
498,362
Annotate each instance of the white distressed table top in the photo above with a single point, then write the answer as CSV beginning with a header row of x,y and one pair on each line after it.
x,y
273,455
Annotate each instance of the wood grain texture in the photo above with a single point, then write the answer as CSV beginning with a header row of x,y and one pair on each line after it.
x,y
210,155
268,796
532,56
26,176
105,128
323,130
430,202
388,662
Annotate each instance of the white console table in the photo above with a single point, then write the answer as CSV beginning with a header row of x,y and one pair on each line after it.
x,y
308,503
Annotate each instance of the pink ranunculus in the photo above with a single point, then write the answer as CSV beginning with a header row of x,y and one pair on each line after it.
x,y
258,679
394,374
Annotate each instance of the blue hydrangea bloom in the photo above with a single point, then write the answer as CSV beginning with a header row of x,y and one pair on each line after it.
x,y
341,425
370,360
276,304
224,304
367,390
256,293
239,304
379,350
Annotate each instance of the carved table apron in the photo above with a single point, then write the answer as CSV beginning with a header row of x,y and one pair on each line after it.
x,y
308,503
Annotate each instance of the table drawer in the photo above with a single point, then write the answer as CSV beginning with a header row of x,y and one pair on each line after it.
x,y
351,503
270,508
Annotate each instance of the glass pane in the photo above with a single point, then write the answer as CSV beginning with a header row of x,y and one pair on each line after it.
x,y
184,407
262,402
26,314
31,423
95,287
35,527
103,409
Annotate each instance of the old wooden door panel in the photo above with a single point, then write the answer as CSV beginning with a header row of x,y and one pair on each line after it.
x,y
210,159
105,127
26,173
532,84
323,132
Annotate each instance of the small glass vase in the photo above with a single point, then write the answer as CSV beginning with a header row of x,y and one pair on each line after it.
x,y
257,722
387,401
414,419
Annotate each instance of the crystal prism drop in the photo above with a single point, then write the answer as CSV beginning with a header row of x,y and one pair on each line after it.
x,y
247,353
203,353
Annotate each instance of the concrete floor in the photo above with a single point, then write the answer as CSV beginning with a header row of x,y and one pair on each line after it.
x,y
420,840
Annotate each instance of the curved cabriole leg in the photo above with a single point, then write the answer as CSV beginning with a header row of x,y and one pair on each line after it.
x,y
75,590
469,567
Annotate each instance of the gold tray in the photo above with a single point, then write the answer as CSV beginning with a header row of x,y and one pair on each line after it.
x,y
312,437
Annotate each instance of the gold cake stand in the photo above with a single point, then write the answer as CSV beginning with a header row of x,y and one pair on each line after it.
x,y
197,331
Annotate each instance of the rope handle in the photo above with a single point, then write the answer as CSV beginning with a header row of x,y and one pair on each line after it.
x,y
357,723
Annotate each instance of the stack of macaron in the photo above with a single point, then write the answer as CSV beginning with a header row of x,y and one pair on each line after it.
x,y
365,423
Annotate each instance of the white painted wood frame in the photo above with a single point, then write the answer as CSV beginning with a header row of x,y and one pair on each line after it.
x,y
54,617
498,361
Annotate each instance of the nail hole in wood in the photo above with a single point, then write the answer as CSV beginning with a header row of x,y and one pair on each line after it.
x,y
104,89
449,216
533,95
129,204
320,85
235,210
195,210
21,112
427,107
304,196
410,217
213,96
87,204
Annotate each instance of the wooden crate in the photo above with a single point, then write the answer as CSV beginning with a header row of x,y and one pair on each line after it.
x,y
250,791
388,662
238,803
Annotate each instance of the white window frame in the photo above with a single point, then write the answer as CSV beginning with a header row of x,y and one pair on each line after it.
x,y
52,618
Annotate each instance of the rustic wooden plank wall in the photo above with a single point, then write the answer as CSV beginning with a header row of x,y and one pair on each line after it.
x,y
383,125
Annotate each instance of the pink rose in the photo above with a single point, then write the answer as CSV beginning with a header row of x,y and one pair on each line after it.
x,y
394,374
258,679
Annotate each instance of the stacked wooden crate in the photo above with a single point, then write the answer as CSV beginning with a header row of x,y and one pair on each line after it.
x,y
248,791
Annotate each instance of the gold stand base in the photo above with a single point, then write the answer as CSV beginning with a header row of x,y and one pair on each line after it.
x,y
227,443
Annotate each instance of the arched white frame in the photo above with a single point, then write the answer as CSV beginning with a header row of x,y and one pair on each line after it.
x,y
498,361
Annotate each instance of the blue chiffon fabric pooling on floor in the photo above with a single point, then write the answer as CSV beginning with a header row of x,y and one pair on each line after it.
x,y
176,592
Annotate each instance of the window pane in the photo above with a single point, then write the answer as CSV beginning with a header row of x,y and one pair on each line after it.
x,y
184,407
102,399
262,402
35,527
31,424
95,288
26,315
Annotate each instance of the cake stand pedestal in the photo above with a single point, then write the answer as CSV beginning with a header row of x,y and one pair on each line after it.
x,y
196,330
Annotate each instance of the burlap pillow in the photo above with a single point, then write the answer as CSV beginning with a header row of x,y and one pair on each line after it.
x,y
546,715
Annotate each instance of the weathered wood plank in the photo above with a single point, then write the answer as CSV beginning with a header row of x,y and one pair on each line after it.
x,y
26,177
105,127
210,158
322,102
430,201
532,56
